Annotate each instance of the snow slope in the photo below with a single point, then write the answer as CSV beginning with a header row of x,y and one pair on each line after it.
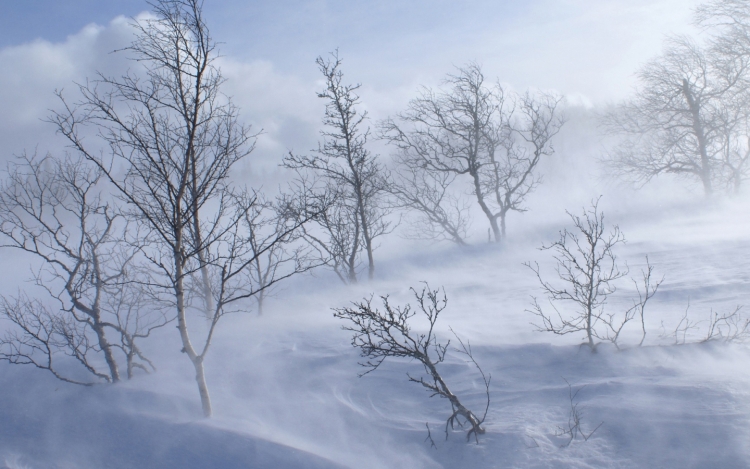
x,y
287,395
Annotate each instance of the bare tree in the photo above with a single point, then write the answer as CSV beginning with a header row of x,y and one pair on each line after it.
x,y
349,172
728,25
491,136
335,235
380,335
441,213
44,338
510,176
53,209
170,140
689,117
271,231
588,268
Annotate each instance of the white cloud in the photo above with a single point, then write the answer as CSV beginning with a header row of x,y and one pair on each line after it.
x,y
32,72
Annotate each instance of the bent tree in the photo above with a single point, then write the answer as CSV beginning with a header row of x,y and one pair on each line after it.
x,y
170,139
389,334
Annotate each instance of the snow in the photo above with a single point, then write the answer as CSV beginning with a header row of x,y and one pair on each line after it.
x,y
287,394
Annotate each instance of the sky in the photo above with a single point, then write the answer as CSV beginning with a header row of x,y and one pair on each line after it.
x,y
530,43
587,50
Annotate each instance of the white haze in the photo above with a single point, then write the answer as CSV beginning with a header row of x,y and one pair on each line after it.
x,y
285,385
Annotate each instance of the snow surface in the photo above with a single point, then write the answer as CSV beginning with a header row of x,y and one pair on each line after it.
x,y
287,395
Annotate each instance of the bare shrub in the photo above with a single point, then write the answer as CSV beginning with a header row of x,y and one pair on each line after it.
x,y
573,429
380,335
588,268
727,327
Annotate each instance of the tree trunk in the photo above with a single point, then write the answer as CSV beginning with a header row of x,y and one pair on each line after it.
x,y
589,334
187,346
260,298
368,240
114,372
459,408
705,170
352,261
487,212
208,300
200,378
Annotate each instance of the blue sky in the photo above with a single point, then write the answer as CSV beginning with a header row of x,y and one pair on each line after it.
x,y
588,50
253,24
521,40
25,20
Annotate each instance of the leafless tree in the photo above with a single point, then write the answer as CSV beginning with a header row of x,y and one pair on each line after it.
x,y
649,290
588,268
53,209
380,335
728,25
441,213
344,169
335,234
493,137
690,116
170,140
271,231
510,176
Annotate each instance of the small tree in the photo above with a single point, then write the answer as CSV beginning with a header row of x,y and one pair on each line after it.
x,y
171,139
53,209
380,335
489,136
270,230
344,169
335,235
588,268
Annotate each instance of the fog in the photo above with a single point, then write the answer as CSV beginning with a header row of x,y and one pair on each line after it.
x,y
285,384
